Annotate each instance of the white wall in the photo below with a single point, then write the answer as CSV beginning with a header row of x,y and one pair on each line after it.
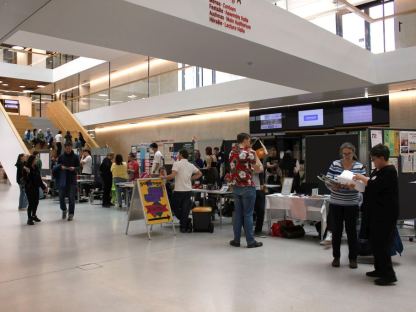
x,y
403,110
405,35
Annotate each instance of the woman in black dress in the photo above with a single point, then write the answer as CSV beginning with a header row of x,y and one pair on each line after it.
x,y
33,182
381,206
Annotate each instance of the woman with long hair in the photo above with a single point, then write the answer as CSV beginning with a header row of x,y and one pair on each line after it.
x,y
20,163
33,182
119,171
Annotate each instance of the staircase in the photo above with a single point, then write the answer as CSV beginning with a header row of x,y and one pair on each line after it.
x,y
21,123
64,120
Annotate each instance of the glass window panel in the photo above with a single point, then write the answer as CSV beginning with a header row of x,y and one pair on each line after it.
x,y
353,28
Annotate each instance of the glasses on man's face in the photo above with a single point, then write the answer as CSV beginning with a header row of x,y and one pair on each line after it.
x,y
346,154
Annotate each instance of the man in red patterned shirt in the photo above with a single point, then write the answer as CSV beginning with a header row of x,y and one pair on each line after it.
x,y
243,163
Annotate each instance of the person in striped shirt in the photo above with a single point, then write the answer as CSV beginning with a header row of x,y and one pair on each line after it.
x,y
343,204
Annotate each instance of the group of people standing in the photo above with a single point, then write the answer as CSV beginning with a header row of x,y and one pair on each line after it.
x,y
51,141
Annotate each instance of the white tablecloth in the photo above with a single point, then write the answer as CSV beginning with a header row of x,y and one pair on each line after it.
x,y
303,208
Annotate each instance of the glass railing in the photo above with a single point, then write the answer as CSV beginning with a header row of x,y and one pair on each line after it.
x,y
373,25
177,80
20,56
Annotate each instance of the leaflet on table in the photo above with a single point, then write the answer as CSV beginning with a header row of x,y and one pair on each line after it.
x,y
347,177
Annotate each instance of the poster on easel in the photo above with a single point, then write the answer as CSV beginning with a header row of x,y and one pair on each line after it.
x,y
150,203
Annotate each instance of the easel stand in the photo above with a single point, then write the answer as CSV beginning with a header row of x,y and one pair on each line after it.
x,y
150,203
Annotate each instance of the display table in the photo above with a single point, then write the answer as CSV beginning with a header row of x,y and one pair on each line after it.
x,y
218,194
303,208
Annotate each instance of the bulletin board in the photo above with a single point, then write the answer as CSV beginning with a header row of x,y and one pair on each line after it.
x,y
402,146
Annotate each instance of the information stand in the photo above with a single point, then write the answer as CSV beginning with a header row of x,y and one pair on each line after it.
x,y
150,203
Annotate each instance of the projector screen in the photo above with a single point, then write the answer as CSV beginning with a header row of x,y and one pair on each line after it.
x,y
271,121
309,118
357,114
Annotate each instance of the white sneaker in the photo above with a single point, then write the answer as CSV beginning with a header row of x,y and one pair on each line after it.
x,y
328,239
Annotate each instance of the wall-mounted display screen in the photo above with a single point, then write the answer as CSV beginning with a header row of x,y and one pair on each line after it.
x,y
11,106
271,121
357,114
310,118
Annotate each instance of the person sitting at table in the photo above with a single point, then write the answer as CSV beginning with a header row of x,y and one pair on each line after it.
x,y
184,173
343,205
119,172
381,205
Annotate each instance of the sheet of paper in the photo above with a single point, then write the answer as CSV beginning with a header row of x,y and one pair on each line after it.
x,y
395,162
412,142
376,137
407,163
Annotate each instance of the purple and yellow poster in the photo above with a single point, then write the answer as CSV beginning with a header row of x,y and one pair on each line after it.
x,y
392,141
155,201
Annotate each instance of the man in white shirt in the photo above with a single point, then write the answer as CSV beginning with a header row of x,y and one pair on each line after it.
x,y
58,140
157,160
183,172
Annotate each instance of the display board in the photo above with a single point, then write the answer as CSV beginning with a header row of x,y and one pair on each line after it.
x,y
189,146
150,202
46,160
321,151
402,145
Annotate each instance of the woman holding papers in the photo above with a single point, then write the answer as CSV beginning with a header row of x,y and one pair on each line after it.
x,y
381,203
343,204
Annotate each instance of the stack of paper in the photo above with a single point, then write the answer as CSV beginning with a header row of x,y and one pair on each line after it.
x,y
347,177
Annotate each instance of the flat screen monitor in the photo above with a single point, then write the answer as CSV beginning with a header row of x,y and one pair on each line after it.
x,y
271,121
358,114
310,118
11,106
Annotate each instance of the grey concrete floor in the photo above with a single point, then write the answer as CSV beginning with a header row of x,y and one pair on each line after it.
x,y
90,265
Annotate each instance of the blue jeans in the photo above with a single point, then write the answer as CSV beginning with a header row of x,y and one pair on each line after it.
x,y
244,199
119,190
70,192
22,197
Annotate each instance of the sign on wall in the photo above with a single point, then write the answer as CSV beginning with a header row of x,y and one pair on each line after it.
x,y
226,13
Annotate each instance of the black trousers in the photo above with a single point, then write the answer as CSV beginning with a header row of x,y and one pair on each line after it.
x,y
58,148
259,210
182,205
107,184
349,216
381,240
33,199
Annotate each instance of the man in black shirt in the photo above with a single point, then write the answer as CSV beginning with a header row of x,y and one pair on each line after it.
x,y
381,204
66,176
107,178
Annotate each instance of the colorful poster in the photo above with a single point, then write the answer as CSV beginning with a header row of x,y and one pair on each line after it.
x,y
392,141
376,137
404,142
412,142
155,201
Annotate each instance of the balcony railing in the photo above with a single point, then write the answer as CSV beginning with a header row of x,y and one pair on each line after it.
x,y
20,56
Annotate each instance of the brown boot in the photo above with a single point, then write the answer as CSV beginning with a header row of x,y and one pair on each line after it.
x,y
335,263
353,264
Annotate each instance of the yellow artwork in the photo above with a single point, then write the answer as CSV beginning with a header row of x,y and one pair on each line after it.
x,y
155,201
